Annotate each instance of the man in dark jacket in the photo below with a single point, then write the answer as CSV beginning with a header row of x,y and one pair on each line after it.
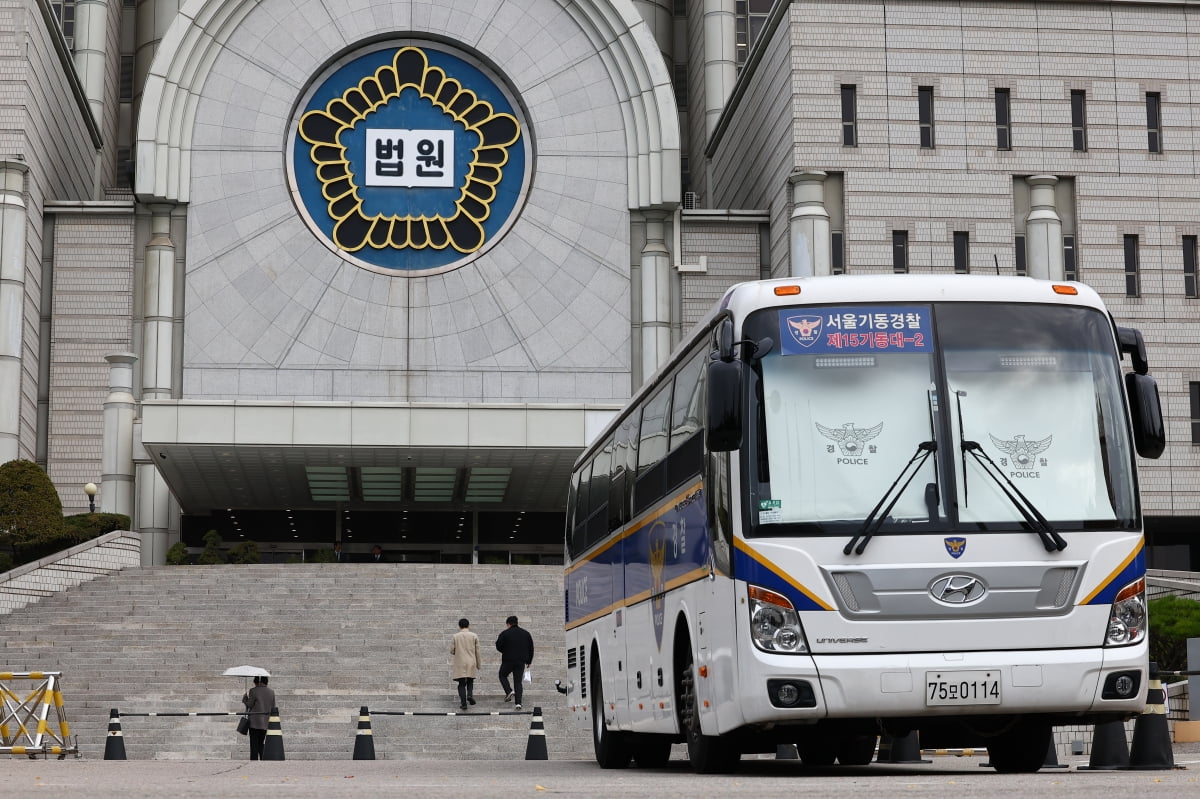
x,y
515,645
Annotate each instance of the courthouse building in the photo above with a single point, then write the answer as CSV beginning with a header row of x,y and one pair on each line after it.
x,y
377,270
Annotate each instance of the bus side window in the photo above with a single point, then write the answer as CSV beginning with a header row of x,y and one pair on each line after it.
x,y
618,494
687,445
651,484
597,525
580,514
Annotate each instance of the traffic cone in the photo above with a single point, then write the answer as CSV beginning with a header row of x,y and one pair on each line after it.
x,y
536,748
364,742
1110,751
1151,747
1051,760
114,744
273,746
902,749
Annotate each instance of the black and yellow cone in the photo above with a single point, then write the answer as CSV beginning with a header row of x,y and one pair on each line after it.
x,y
273,747
536,748
1051,760
1151,747
1110,750
114,744
364,742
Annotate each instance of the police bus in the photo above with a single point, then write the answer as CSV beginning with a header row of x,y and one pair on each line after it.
x,y
860,505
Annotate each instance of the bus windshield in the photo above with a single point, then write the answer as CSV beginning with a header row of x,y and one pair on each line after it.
x,y
940,417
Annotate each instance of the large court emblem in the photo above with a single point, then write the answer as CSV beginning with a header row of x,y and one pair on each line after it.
x,y
409,158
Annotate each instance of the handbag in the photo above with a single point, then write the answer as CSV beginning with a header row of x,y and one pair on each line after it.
x,y
243,725
528,676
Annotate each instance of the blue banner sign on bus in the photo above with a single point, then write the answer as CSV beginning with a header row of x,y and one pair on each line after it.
x,y
859,328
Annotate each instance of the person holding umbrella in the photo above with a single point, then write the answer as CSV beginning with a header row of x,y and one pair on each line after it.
x,y
259,701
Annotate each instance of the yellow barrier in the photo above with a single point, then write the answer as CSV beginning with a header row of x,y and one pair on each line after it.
x,y
25,723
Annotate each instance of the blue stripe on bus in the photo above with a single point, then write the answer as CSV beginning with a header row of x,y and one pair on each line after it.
x,y
1132,569
666,547
752,567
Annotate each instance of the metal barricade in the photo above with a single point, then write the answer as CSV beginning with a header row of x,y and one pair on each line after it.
x,y
25,723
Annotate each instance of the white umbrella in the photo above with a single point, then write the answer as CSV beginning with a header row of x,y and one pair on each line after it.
x,y
246,671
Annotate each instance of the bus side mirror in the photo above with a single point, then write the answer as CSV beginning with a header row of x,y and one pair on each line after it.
x,y
1149,435
724,432
1132,342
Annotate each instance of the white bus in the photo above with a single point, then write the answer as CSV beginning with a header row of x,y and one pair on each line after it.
x,y
861,505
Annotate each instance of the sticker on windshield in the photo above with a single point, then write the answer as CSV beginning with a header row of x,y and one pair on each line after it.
x,y
1023,461
770,511
857,329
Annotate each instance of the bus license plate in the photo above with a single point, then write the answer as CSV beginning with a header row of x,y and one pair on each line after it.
x,y
962,688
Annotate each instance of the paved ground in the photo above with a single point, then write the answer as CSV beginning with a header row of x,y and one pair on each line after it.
x,y
760,778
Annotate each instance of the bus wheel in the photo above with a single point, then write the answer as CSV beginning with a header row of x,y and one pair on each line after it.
x,y
1020,750
708,754
610,747
817,751
651,751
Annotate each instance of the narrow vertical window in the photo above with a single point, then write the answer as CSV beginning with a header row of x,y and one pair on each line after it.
x,y
1070,270
1194,395
1132,287
1019,252
837,252
1003,120
925,115
1079,121
681,86
850,116
1154,122
126,79
1189,268
962,252
900,251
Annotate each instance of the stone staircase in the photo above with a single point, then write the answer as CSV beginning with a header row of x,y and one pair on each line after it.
x,y
334,637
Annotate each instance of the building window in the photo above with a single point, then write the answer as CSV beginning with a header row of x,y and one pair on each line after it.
x,y
680,8
126,86
1079,121
1003,121
750,15
1189,268
681,86
850,116
900,251
1132,289
1070,270
1019,251
64,12
1194,394
925,115
837,252
1154,122
962,252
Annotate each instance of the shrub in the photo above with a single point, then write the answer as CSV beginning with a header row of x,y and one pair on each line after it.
x,y
244,552
30,510
177,555
87,526
212,549
6,562
1173,620
321,556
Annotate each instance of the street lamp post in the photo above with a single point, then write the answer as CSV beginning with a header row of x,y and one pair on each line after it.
x,y
90,489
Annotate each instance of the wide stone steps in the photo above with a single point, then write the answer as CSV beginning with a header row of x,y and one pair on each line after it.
x,y
334,637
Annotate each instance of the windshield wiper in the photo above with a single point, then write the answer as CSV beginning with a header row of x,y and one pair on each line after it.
x,y
875,518
1050,537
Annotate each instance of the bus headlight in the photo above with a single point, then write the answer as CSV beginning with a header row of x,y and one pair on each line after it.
x,y
1127,619
774,623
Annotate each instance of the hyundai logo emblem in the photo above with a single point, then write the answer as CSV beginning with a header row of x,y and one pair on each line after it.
x,y
957,589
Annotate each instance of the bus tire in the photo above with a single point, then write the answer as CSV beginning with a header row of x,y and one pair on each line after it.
x,y
817,751
612,749
1021,749
708,754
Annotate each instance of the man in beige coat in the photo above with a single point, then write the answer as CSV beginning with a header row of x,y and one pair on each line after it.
x,y
464,647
